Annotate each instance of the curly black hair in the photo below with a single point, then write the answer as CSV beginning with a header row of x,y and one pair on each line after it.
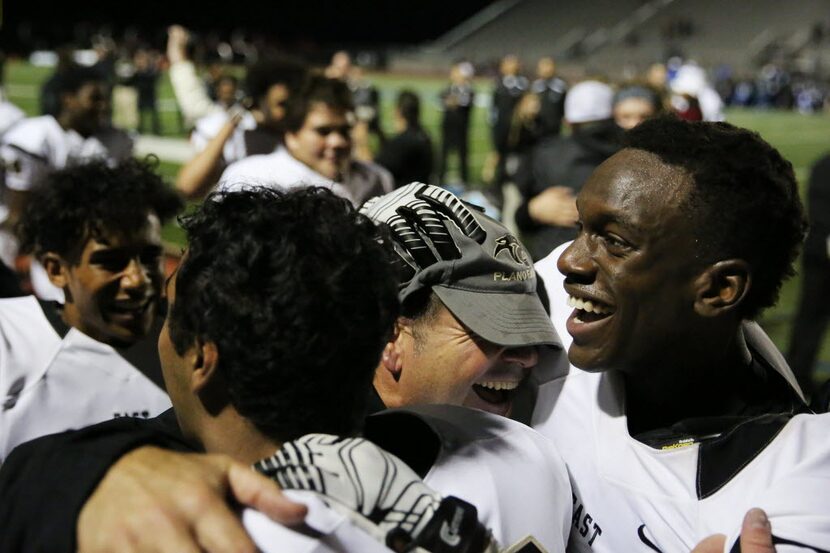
x,y
272,71
316,89
299,294
75,77
89,200
744,202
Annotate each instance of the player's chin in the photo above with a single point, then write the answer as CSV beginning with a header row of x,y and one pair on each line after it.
x,y
498,403
586,357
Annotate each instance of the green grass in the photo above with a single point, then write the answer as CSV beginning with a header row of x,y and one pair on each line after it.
x,y
801,139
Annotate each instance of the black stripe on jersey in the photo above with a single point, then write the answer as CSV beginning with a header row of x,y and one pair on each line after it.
x,y
144,354
51,310
720,459
405,435
776,540
42,159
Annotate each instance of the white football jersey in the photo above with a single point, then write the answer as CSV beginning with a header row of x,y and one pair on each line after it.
x,y
331,530
52,381
209,126
629,496
10,115
281,170
277,170
514,476
38,145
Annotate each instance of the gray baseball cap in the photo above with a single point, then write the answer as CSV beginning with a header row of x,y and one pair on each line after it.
x,y
479,270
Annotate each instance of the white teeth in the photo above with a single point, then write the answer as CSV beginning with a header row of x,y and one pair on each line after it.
x,y
499,385
588,305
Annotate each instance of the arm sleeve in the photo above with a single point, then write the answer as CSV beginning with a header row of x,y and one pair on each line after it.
x,y
45,483
190,93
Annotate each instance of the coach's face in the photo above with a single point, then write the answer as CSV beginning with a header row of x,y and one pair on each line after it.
x,y
112,289
630,271
323,142
443,361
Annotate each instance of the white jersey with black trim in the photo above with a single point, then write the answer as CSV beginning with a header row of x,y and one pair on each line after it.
x,y
514,476
38,145
277,170
630,496
53,379
282,170
325,530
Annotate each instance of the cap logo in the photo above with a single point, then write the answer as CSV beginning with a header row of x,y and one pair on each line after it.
x,y
511,245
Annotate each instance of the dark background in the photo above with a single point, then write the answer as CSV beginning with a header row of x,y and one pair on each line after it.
x,y
358,22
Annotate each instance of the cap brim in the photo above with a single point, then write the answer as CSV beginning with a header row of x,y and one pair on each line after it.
x,y
512,320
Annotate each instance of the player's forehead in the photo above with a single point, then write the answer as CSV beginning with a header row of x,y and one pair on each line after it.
x,y
321,114
111,235
635,186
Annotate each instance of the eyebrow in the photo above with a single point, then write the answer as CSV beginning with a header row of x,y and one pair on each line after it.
x,y
126,250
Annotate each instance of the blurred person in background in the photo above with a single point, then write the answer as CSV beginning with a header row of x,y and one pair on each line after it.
x,y
692,84
318,148
551,90
457,102
559,166
408,154
50,102
227,91
192,95
340,66
145,80
366,109
223,138
510,87
633,104
36,146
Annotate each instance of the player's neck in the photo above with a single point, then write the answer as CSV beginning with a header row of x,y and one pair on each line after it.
x,y
699,384
235,436
67,123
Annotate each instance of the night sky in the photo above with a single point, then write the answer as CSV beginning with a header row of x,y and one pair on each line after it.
x,y
362,22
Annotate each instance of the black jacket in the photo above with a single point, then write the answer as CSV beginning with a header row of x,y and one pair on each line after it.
x,y
561,161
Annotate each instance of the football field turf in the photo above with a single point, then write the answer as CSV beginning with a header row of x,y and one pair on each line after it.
x,y
801,138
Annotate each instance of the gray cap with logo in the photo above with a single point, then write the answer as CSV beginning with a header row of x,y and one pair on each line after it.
x,y
478,269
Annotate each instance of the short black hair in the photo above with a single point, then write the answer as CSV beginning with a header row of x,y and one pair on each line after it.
x,y
272,71
317,89
299,294
75,77
87,200
744,202
409,106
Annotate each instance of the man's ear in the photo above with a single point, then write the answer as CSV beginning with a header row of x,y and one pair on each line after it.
x,y
205,363
391,360
56,269
722,287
